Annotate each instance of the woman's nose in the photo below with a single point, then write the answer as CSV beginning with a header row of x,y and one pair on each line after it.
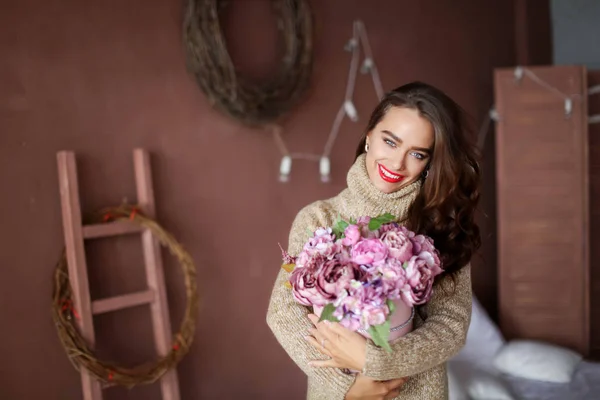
x,y
398,163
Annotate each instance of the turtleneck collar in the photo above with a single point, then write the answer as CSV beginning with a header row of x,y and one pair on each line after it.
x,y
363,198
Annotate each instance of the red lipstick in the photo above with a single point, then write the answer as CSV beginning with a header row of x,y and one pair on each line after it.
x,y
388,175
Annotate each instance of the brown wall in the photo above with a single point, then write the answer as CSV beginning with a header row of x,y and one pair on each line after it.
x,y
101,78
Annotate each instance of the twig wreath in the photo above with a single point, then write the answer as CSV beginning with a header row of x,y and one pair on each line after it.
x,y
251,103
65,315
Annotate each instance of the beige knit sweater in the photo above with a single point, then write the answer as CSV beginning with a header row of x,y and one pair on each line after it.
x,y
421,354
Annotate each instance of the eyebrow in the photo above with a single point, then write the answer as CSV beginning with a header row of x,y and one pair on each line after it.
x,y
397,139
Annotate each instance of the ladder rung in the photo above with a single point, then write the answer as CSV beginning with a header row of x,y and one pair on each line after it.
x,y
110,229
123,301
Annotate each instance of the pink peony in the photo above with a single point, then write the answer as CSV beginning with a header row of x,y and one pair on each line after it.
x,y
369,252
419,279
400,246
304,287
422,243
352,235
323,242
335,276
424,248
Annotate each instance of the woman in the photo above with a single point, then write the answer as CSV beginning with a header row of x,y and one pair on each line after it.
x,y
415,162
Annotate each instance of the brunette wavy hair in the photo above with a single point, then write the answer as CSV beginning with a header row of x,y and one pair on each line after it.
x,y
446,204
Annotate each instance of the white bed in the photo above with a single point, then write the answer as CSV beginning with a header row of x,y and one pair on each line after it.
x,y
489,368
585,385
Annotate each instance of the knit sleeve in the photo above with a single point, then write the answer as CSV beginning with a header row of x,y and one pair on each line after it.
x,y
290,324
440,337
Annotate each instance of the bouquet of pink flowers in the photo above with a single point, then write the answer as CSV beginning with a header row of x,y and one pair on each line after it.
x,y
357,271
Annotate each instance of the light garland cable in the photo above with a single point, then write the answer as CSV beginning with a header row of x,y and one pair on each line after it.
x,y
347,109
519,72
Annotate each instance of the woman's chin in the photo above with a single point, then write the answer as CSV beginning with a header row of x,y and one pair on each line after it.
x,y
387,187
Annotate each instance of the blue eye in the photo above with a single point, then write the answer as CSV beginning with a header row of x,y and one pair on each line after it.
x,y
418,156
389,142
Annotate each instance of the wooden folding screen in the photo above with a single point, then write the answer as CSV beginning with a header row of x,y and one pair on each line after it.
x,y
543,204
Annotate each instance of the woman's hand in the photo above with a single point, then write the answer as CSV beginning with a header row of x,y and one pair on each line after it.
x,y
365,388
346,348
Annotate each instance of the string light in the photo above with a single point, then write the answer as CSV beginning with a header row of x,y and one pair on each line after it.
x,y
358,42
518,74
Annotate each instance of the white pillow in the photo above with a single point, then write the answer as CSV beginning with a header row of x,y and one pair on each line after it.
x,y
535,360
485,386
456,391
476,383
484,339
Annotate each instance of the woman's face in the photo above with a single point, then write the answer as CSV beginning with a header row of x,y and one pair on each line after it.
x,y
400,147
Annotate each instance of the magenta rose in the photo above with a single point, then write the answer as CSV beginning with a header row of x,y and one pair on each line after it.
x,y
335,276
419,281
369,252
352,235
399,245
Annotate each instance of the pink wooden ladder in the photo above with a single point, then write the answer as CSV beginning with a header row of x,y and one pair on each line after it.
x,y
155,295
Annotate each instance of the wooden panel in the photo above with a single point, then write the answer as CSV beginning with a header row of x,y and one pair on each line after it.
x,y
594,148
542,172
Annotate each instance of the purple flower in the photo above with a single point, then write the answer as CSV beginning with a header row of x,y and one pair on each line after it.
x,y
400,246
362,305
369,252
392,277
373,314
348,321
419,281
352,235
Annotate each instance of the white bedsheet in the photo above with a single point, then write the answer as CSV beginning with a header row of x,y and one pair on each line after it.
x,y
585,385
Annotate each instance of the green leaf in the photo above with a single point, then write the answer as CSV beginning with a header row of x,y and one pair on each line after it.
x,y
327,314
352,221
391,305
380,335
387,217
374,224
405,264
339,228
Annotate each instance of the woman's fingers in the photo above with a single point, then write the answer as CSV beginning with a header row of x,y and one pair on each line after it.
x,y
319,345
395,384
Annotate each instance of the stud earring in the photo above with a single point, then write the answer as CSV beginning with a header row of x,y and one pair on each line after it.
x,y
366,147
